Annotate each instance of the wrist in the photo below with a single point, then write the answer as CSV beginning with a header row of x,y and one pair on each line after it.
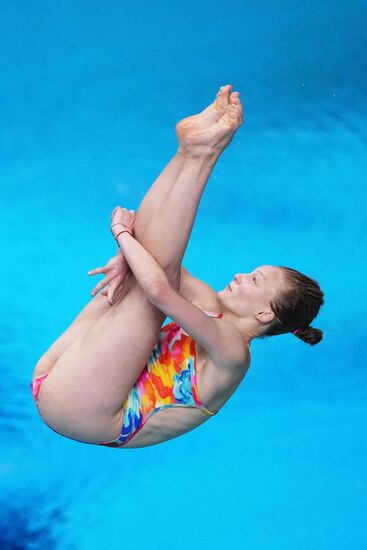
x,y
117,227
122,231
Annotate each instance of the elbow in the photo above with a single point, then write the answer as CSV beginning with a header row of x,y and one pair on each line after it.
x,y
158,292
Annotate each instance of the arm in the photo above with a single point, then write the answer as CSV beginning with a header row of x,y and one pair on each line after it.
x,y
186,289
196,291
221,341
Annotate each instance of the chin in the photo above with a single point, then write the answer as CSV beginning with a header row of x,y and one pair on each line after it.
x,y
222,295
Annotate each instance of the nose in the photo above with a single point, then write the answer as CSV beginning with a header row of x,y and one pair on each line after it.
x,y
237,279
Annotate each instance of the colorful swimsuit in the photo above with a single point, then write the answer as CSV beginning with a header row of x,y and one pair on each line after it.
x,y
168,380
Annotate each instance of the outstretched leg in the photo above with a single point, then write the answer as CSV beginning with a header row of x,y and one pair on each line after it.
x,y
149,210
172,225
84,392
156,197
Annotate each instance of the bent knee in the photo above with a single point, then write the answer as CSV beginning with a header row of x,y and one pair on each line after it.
x,y
173,273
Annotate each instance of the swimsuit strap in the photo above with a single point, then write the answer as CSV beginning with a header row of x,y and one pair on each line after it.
x,y
207,411
213,314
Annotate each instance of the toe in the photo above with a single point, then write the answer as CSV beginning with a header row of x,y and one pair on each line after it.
x,y
221,102
235,101
235,114
224,93
240,113
230,116
227,91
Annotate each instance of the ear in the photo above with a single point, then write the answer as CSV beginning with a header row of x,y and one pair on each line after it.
x,y
265,316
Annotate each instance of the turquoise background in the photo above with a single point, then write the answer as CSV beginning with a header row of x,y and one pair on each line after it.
x,y
91,92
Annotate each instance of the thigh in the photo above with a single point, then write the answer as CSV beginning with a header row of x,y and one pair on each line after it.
x,y
83,322
83,395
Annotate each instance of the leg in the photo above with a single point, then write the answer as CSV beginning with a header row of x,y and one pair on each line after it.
x,y
83,395
83,322
170,230
99,304
79,398
202,137
149,210
157,194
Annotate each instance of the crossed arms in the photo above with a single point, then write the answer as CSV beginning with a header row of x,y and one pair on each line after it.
x,y
221,341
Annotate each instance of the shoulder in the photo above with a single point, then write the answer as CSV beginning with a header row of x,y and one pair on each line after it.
x,y
197,291
205,297
238,356
219,379
221,341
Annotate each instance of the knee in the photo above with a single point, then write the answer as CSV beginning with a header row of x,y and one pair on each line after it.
x,y
174,276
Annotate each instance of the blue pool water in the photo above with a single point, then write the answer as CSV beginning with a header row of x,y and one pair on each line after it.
x,y
90,95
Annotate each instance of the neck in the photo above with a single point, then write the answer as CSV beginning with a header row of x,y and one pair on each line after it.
x,y
248,327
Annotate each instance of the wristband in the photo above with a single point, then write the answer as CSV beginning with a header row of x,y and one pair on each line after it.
x,y
123,231
120,223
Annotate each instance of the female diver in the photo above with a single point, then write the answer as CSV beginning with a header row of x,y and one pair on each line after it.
x,y
103,381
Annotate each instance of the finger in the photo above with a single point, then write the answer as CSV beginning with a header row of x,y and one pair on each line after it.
x,y
97,270
111,291
116,283
110,296
99,287
114,210
113,285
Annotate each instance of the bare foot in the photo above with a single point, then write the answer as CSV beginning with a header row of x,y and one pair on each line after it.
x,y
198,137
212,113
207,117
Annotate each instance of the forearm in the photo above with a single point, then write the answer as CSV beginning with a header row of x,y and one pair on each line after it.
x,y
146,270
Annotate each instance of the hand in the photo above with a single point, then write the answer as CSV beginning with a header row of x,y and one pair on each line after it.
x,y
121,218
115,271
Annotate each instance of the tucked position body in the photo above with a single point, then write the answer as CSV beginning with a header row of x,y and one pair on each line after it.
x,y
93,367
116,377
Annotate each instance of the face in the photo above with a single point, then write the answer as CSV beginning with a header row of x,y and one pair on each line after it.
x,y
250,293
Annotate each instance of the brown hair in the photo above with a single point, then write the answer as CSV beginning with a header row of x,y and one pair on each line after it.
x,y
296,307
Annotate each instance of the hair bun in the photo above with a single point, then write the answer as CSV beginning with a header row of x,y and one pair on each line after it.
x,y
309,335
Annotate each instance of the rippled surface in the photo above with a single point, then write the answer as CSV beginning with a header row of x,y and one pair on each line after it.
x,y
89,102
